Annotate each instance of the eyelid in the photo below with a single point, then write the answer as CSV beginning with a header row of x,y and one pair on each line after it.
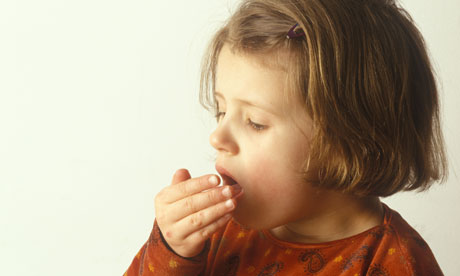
x,y
255,126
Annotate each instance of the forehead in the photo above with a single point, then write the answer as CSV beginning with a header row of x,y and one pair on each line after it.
x,y
246,77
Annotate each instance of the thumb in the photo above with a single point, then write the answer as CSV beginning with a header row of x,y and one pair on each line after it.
x,y
179,176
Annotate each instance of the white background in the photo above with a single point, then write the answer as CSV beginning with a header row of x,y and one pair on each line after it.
x,y
99,107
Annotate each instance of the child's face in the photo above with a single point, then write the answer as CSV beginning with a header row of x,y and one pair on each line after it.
x,y
261,144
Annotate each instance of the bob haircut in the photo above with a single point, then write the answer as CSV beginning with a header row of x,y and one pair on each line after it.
x,y
363,74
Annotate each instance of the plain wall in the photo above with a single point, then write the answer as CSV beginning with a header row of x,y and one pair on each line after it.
x,y
99,107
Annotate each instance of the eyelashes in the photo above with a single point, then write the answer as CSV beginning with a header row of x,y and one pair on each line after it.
x,y
255,126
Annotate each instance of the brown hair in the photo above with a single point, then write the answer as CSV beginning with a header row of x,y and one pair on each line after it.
x,y
364,76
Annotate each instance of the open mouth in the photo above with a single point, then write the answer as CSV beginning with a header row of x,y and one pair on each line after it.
x,y
227,179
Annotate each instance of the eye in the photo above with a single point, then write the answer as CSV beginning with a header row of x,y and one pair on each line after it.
x,y
256,126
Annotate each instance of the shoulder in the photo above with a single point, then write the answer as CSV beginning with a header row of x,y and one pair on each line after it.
x,y
404,249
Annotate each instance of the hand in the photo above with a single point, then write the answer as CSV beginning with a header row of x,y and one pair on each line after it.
x,y
190,210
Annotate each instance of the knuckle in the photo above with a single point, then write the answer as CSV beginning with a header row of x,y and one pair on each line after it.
x,y
203,180
169,235
211,196
189,204
204,233
183,188
201,215
196,220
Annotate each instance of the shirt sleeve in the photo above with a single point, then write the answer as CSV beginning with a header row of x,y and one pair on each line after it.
x,y
156,258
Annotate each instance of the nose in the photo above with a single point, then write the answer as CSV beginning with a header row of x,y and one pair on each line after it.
x,y
222,139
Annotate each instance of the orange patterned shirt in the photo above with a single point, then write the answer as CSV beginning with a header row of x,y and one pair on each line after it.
x,y
392,248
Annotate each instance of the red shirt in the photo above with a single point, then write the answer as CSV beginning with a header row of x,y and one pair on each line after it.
x,y
392,248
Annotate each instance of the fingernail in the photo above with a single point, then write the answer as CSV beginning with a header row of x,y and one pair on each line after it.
x,y
237,189
213,180
226,192
229,203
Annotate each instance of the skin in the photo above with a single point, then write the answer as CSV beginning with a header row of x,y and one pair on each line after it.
x,y
190,210
263,146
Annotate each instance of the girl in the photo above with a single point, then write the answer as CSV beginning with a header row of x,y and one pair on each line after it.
x,y
323,106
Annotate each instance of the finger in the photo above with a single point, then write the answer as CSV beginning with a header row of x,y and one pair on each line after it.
x,y
180,175
202,219
189,187
206,232
201,201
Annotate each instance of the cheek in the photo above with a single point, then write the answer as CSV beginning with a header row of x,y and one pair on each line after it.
x,y
274,188
264,176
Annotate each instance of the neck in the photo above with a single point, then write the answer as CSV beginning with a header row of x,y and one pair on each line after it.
x,y
338,217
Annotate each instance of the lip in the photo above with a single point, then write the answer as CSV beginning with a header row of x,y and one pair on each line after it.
x,y
226,176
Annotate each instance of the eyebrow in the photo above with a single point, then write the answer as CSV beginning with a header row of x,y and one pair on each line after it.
x,y
245,102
